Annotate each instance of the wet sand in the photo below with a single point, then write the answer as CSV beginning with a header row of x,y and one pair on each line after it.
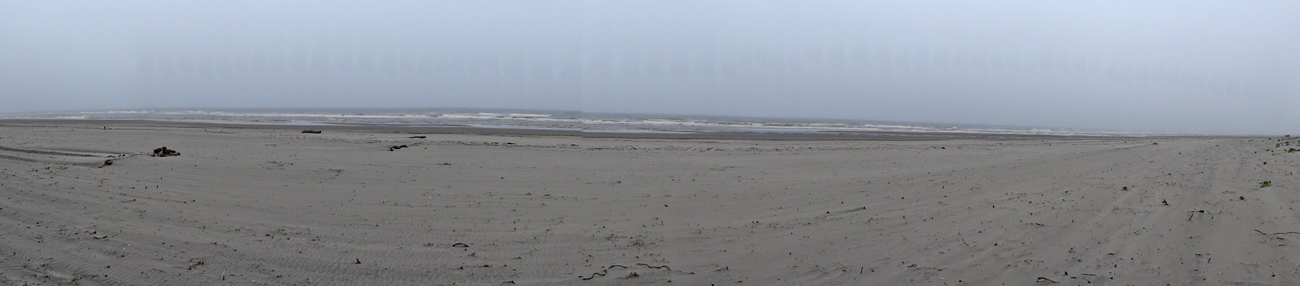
x,y
269,205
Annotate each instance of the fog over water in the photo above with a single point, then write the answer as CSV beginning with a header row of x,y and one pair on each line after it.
x,y
1177,66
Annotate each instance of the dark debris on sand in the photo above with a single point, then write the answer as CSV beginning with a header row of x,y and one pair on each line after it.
x,y
164,152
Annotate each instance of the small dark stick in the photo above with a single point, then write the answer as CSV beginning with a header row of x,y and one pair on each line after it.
x,y
1277,233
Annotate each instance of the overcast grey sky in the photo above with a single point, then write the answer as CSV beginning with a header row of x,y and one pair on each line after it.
x,y
1228,67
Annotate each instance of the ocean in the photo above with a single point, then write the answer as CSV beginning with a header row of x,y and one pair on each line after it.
x,y
545,119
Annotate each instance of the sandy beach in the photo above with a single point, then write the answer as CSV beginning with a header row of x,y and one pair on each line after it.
x,y
273,206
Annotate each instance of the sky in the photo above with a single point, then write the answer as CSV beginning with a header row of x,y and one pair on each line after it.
x,y
1221,67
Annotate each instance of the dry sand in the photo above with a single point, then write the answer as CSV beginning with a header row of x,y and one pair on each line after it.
x,y
272,206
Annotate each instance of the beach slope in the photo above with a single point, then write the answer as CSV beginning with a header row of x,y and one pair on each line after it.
x,y
274,206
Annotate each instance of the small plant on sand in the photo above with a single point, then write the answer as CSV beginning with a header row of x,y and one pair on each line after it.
x,y
1265,184
1126,188
1292,150
1165,202
1243,198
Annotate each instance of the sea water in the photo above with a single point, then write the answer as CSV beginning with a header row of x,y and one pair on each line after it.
x,y
546,120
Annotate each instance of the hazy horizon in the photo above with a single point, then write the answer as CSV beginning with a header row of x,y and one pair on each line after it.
x,y
1206,68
